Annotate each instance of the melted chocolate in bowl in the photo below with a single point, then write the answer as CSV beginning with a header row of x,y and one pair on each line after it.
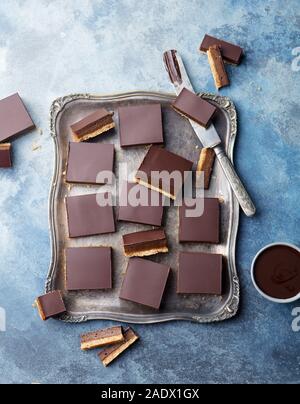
x,y
277,272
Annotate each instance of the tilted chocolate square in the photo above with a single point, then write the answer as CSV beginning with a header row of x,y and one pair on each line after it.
x,y
193,107
50,305
146,209
201,229
93,125
87,218
164,172
88,268
14,118
88,162
141,125
200,273
144,282
5,155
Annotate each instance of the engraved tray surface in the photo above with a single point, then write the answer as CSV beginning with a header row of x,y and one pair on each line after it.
x,y
179,138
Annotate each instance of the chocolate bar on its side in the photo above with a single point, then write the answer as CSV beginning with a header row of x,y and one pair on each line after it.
x,y
160,161
110,354
231,53
97,339
206,164
5,155
14,118
87,161
50,305
193,107
200,273
217,66
93,125
145,243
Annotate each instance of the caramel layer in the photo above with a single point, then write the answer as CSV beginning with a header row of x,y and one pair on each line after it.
x,y
145,184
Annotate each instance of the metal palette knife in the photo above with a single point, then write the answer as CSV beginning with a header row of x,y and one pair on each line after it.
x,y
208,137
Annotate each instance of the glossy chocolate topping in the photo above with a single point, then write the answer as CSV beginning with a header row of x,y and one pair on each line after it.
x,y
144,282
79,128
277,272
143,237
141,125
159,160
88,268
52,304
200,273
204,228
87,218
194,107
14,118
86,161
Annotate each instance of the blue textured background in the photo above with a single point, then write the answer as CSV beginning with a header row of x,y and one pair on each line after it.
x,y
52,48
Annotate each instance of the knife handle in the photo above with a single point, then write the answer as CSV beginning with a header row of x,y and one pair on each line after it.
x,y
236,184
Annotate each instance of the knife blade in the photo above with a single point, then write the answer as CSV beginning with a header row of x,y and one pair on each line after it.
x,y
208,137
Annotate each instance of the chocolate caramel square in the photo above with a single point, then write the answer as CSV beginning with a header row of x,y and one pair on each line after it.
x,y
145,243
200,273
14,118
50,305
88,268
164,171
5,155
144,282
87,218
88,163
193,107
200,229
141,125
138,204
93,125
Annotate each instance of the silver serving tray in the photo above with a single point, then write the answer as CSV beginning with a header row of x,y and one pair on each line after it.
x,y
180,138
